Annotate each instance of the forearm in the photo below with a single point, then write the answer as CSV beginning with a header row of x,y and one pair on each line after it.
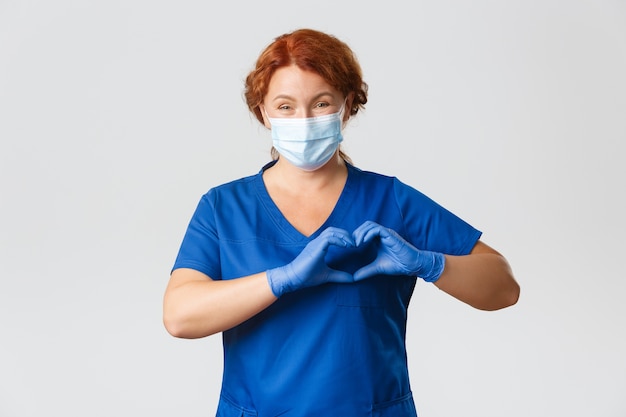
x,y
482,280
196,306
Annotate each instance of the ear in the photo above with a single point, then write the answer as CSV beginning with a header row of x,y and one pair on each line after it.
x,y
264,116
348,107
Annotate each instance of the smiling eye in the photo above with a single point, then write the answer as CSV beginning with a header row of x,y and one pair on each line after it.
x,y
285,110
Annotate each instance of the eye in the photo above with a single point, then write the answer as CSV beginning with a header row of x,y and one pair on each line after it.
x,y
284,110
322,105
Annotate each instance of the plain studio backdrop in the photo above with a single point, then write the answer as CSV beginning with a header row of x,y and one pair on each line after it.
x,y
116,116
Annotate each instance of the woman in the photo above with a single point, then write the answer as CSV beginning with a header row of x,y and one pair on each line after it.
x,y
308,266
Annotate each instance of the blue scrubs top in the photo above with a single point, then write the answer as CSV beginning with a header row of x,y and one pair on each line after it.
x,y
331,350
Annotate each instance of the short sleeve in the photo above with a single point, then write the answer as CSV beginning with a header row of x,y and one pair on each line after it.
x,y
200,246
430,226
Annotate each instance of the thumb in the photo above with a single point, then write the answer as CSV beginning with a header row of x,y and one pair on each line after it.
x,y
366,271
340,277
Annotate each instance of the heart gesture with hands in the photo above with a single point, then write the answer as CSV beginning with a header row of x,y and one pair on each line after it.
x,y
395,256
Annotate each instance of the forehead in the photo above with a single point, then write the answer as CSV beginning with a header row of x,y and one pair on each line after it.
x,y
295,82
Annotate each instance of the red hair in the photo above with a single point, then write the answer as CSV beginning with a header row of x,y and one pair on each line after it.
x,y
310,50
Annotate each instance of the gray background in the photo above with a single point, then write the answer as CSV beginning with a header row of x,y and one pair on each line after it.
x,y
116,116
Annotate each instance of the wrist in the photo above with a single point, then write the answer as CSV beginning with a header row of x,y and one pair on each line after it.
x,y
279,280
432,267
276,283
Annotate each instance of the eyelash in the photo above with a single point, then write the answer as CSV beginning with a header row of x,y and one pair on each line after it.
x,y
317,105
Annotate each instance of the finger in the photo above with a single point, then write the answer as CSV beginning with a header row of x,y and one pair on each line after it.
x,y
365,232
340,277
390,234
339,237
336,232
374,232
342,241
365,272
395,242
333,236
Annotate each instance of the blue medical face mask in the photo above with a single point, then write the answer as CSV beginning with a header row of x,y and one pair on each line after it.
x,y
310,142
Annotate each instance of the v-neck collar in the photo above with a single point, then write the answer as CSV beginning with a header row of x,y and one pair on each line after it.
x,y
285,227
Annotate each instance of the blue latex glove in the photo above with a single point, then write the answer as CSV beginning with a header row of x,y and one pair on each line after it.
x,y
396,256
309,267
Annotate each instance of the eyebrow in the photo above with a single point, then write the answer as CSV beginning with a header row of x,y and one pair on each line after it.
x,y
316,97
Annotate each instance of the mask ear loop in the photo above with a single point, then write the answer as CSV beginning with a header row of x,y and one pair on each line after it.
x,y
342,110
267,117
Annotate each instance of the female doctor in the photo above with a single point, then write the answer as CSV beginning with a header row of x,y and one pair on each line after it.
x,y
307,267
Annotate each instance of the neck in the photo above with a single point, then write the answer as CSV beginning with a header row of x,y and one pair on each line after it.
x,y
292,178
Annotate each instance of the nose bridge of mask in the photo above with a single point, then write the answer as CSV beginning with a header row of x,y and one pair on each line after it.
x,y
305,129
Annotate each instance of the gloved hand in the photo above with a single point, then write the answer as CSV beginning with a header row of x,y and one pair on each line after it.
x,y
396,256
309,268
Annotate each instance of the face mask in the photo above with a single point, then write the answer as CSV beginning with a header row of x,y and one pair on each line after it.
x,y
307,143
